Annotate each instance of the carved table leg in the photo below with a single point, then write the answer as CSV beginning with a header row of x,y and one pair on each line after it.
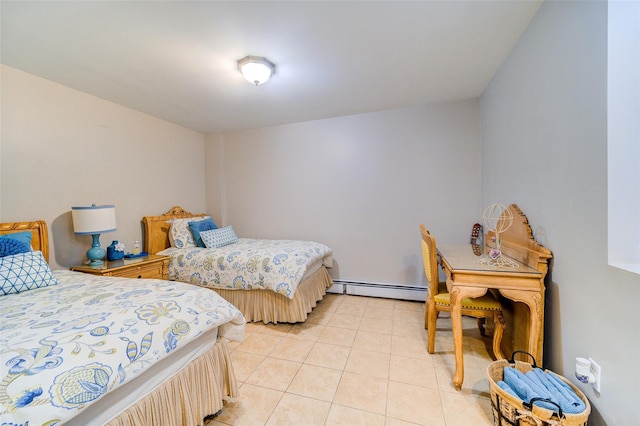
x,y
535,302
457,293
456,328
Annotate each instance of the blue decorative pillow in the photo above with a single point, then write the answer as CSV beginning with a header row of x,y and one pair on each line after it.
x,y
10,246
24,236
197,227
219,237
24,271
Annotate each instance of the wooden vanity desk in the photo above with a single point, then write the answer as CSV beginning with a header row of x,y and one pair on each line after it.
x,y
466,277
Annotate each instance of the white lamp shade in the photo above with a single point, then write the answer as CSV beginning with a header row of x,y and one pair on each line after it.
x,y
256,69
93,219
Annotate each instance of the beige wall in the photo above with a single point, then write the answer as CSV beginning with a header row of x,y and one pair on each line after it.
x,y
544,120
62,148
215,177
363,181
361,184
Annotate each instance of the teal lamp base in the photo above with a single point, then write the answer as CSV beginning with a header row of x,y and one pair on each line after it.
x,y
96,253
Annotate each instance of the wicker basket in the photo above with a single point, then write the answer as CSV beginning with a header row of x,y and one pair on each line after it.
x,y
509,410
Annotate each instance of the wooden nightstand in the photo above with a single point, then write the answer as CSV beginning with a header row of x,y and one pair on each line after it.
x,y
152,266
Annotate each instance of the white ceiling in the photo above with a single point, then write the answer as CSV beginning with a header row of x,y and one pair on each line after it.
x,y
177,59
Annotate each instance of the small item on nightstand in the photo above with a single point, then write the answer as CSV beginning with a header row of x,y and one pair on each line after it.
x,y
136,248
115,251
135,256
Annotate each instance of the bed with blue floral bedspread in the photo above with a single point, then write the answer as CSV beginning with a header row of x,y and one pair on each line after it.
x,y
73,339
248,264
268,280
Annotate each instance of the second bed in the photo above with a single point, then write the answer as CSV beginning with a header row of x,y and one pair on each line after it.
x,y
267,280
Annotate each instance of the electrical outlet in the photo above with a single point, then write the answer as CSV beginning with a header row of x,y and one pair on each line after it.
x,y
596,371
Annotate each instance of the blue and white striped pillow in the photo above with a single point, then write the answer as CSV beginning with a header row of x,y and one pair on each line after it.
x,y
24,271
219,237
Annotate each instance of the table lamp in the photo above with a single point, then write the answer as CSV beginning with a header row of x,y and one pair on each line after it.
x,y
94,220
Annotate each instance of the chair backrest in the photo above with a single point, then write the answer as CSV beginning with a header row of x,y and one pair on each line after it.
x,y
476,230
430,260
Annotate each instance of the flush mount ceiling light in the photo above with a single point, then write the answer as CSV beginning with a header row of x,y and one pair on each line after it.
x,y
256,69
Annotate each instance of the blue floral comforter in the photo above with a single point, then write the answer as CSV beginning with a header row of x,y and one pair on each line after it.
x,y
276,265
65,346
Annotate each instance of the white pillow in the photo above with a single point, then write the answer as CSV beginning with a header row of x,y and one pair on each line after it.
x,y
24,271
180,235
219,237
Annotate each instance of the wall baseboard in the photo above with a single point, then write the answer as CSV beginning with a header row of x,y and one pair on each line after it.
x,y
390,291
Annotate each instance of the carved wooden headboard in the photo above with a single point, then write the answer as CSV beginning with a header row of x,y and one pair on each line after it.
x,y
39,234
156,228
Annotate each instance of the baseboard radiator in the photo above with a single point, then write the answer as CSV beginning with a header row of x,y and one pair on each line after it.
x,y
390,291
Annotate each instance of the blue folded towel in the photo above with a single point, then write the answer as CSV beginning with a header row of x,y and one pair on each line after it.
x,y
562,392
515,379
505,387
527,389
539,384
532,375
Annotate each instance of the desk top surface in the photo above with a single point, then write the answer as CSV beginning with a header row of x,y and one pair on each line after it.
x,y
461,257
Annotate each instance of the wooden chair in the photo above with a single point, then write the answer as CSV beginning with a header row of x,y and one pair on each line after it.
x,y
438,300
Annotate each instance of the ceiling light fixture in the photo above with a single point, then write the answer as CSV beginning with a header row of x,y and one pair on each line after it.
x,y
256,69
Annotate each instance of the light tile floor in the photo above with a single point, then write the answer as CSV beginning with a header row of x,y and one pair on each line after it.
x,y
358,361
